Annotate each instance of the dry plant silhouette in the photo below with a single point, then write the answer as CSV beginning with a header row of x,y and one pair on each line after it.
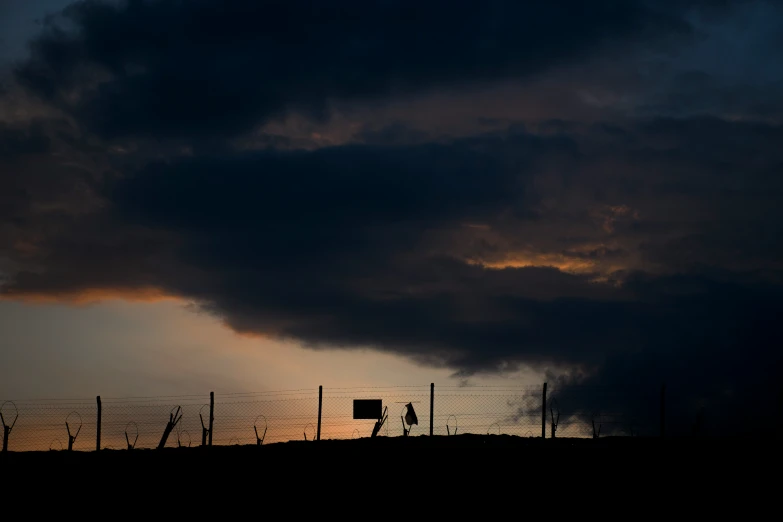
x,y
448,428
8,410
554,416
596,431
182,437
260,438
71,420
380,423
496,426
135,430
174,417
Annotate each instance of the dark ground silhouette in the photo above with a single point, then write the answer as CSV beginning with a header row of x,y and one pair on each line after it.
x,y
418,478
480,471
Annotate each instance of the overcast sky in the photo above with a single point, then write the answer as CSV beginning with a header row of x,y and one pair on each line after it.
x,y
260,194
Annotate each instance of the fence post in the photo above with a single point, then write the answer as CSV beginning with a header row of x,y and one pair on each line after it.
x,y
211,414
432,404
98,428
320,402
543,415
663,410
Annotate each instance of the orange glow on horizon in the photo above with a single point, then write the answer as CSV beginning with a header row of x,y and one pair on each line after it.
x,y
93,295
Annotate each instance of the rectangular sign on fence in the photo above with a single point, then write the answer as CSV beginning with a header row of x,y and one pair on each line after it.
x,y
367,409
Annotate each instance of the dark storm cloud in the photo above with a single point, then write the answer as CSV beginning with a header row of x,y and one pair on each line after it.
x,y
661,234
16,144
355,246
351,209
178,69
31,174
393,134
716,347
329,186
22,140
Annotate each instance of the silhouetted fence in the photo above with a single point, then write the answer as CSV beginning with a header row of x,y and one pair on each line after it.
x,y
278,416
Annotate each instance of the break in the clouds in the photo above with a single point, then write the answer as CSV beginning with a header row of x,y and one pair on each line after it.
x,y
624,232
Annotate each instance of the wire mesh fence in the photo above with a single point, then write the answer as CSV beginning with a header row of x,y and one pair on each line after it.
x,y
42,425
278,416
133,422
488,410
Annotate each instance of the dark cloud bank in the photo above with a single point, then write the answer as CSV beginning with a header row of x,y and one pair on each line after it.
x,y
389,243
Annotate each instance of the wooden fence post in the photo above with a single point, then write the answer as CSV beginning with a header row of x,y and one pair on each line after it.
x,y
211,414
320,402
543,415
432,405
98,428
